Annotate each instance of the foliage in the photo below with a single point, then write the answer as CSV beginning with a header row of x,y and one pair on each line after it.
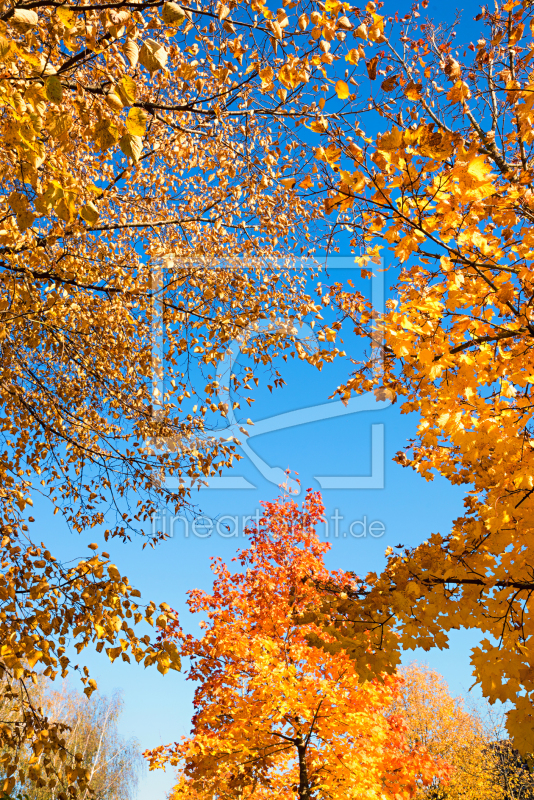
x,y
446,190
92,742
275,717
45,603
511,774
148,159
448,730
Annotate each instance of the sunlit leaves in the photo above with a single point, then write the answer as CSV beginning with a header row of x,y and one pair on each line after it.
x,y
54,89
342,90
445,188
172,14
89,213
153,55
24,19
127,90
105,133
66,15
59,123
131,51
259,682
136,121
126,143
132,145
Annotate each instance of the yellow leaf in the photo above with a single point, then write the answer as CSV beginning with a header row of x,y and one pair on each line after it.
x,y
5,48
266,75
342,90
33,658
131,146
319,125
24,19
67,16
288,182
25,220
131,51
89,213
59,123
152,56
127,90
18,202
65,209
114,101
478,169
413,90
172,14
390,141
164,663
459,92
105,134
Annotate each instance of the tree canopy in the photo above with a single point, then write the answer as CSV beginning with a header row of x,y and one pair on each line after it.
x,y
147,158
148,148
442,187
275,717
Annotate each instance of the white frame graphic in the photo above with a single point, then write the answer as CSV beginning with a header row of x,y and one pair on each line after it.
x,y
301,416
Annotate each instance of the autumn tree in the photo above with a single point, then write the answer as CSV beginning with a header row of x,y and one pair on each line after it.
x,y
273,716
471,738
430,166
510,772
92,741
149,155
450,730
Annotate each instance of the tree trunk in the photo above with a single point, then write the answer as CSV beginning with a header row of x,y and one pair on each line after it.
x,y
304,784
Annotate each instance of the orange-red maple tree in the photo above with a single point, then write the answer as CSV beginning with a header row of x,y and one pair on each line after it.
x,y
275,717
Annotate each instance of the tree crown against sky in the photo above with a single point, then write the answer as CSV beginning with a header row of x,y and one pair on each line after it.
x,y
275,717
91,742
444,192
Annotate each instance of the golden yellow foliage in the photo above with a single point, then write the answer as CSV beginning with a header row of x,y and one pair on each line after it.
x,y
447,196
144,195
449,731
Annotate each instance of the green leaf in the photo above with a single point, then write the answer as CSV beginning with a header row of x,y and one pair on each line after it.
x,y
54,89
